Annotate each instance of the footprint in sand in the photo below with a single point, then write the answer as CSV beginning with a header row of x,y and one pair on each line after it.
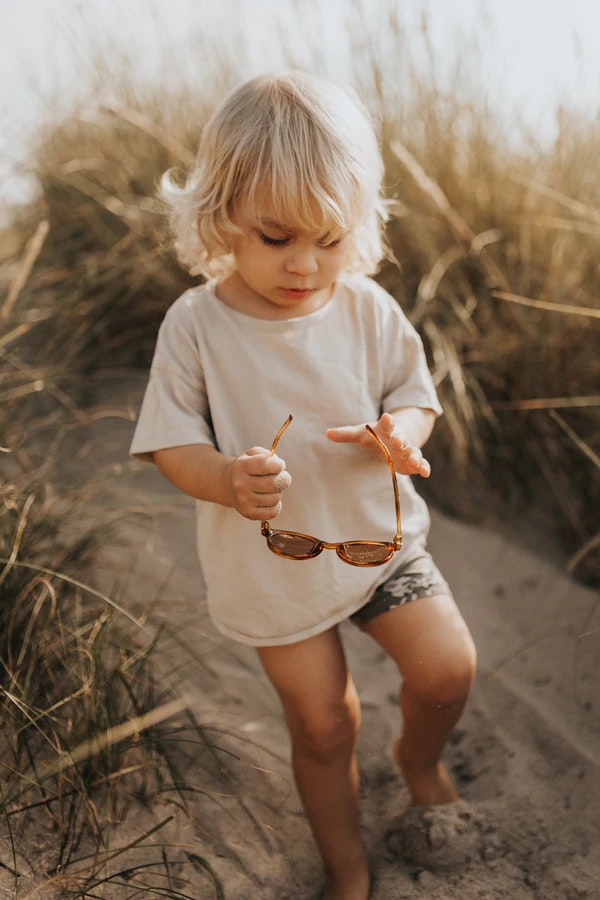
x,y
438,838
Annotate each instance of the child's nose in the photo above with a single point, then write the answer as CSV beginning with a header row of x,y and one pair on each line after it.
x,y
302,261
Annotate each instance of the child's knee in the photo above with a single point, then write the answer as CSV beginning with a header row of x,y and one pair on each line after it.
x,y
447,681
329,732
456,673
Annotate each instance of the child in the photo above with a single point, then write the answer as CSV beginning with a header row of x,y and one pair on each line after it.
x,y
283,214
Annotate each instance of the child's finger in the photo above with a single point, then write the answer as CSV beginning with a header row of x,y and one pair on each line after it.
x,y
345,434
259,451
385,426
271,484
259,461
424,469
412,459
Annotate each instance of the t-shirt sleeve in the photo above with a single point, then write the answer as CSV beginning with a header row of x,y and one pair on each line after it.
x,y
174,410
407,379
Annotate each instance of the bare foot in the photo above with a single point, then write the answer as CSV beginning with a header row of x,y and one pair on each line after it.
x,y
427,786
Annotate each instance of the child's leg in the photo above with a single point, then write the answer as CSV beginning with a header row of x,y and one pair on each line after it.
x,y
322,711
431,645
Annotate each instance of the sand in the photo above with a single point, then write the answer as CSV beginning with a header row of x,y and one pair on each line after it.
x,y
525,757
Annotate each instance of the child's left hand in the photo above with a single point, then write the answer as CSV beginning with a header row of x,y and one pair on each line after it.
x,y
408,458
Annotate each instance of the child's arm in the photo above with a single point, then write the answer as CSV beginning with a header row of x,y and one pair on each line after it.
x,y
404,431
251,483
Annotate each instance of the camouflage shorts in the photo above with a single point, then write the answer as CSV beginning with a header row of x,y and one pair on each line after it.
x,y
418,577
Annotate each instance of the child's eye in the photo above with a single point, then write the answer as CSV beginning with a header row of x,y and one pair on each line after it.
x,y
329,245
272,242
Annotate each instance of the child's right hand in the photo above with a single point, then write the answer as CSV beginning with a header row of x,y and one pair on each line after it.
x,y
257,480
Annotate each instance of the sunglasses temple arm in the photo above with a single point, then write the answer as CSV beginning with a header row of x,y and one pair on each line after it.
x,y
265,525
279,433
390,462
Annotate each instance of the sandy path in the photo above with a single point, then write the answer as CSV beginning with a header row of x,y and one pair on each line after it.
x,y
525,756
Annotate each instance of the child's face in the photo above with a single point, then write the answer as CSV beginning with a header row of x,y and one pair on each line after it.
x,y
281,272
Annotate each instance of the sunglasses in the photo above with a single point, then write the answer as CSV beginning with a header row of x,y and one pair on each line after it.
x,y
294,545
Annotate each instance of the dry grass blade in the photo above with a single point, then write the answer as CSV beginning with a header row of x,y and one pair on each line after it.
x,y
582,209
460,416
13,850
549,403
87,883
583,446
34,387
144,123
16,545
577,558
75,583
124,878
430,282
433,191
456,222
107,855
202,865
565,308
15,334
114,735
114,205
561,224
32,251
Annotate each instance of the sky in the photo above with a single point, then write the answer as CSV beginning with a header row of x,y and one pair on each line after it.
x,y
528,56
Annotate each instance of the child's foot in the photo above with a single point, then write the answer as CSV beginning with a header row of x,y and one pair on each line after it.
x,y
428,787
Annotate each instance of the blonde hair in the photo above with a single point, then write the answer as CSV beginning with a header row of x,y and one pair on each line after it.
x,y
303,143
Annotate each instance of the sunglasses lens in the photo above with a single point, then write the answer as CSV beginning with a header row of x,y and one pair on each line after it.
x,y
288,543
363,553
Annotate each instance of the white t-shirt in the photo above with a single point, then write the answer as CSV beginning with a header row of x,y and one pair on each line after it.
x,y
220,377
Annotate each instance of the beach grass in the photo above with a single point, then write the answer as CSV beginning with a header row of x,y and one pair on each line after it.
x,y
88,724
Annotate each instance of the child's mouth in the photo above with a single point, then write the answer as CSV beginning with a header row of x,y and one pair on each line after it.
x,y
297,293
